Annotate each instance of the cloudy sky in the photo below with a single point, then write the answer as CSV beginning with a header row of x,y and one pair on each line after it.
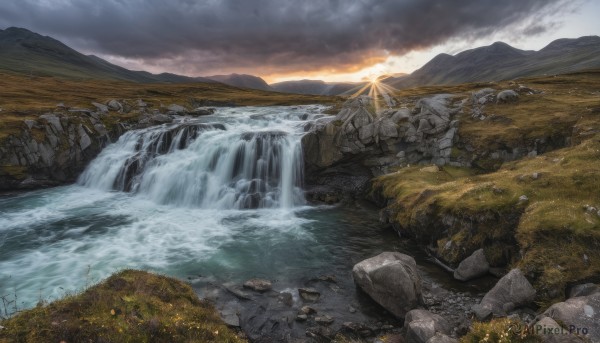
x,y
334,40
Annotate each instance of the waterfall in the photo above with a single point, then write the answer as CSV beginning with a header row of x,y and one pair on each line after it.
x,y
244,165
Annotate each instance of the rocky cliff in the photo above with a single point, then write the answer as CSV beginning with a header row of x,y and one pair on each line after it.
x,y
342,153
54,148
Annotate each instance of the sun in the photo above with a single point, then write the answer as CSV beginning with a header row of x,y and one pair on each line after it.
x,y
373,79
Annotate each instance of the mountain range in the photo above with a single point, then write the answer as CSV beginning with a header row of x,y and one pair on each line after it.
x,y
501,61
26,52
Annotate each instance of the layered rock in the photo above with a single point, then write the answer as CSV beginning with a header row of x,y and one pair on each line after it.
x,y
360,138
55,147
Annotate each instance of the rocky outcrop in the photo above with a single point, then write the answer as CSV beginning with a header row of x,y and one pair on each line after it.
x,y
55,147
392,280
512,291
52,149
364,139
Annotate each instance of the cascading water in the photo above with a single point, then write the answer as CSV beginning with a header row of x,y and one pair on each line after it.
x,y
213,200
240,165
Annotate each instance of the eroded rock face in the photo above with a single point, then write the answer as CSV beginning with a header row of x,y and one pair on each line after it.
x,y
512,291
54,148
51,150
378,141
392,280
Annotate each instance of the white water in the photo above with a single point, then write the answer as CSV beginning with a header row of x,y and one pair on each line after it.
x,y
167,199
255,161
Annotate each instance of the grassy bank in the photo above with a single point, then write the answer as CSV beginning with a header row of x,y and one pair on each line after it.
x,y
540,214
130,306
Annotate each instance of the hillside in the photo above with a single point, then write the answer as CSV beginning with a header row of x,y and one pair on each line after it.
x,y
26,52
315,87
242,81
501,61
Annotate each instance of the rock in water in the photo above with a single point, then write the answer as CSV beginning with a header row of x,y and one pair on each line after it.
x,y
392,280
309,294
422,325
580,315
512,291
258,285
472,267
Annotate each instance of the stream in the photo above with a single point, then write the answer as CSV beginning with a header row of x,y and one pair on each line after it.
x,y
214,200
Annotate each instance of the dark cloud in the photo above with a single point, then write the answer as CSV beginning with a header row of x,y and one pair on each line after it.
x,y
275,36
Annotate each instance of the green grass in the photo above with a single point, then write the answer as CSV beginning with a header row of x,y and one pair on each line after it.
x,y
130,306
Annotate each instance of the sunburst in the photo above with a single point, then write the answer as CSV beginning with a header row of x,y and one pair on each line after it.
x,y
381,93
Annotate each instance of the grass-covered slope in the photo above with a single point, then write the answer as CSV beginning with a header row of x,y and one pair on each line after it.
x,y
130,306
541,213
23,97
538,213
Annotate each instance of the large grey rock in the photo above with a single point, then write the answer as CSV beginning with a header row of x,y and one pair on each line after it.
x,y
511,291
580,315
387,129
507,96
472,267
54,121
114,105
392,280
422,325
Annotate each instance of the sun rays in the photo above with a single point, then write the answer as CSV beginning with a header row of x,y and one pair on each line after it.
x,y
381,93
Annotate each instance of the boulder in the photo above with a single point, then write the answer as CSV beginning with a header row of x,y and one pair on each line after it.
x,y
511,291
422,325
472,267
258,285
309,294
387,129
114,105
392,280
507,96
580,315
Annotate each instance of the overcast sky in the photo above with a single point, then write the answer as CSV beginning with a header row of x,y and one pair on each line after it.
x,y
334,40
